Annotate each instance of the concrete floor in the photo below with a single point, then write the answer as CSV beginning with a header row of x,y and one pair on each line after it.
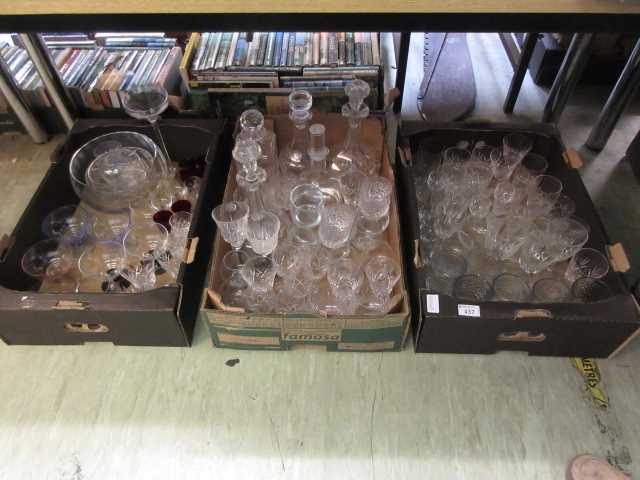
x,y
101,412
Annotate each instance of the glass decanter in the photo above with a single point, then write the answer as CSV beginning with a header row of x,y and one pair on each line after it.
x,y
327,181
294,157
252,124
353,154
250,176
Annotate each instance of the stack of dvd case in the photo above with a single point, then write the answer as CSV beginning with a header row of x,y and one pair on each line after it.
x,y
241,68
93,74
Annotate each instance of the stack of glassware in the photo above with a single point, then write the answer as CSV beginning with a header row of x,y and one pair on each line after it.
x,y
130,231
307,227
495,226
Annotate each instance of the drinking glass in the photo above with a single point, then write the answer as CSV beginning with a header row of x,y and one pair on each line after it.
x,y
446,262
336,224
71,223
319,260
505,197
306,201
550,290
383,273
48,259
232,219
563,208
368,233
232,262
482,152
455,156
511,237
570,235
111,226
169,262
375,197
508,287
291,294
350,183
534,163
163,217
587,262
516,146
259,273
472,287
477,175
143,241
502,165
523,179
180,223
262,232
588,290
345,278
141,274
104,262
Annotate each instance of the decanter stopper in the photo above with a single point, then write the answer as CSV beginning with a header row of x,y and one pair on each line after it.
x,y
357,91
252,122
247,153
300,103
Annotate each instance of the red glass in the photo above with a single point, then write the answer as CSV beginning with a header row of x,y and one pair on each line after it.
x,y
181,206
162,217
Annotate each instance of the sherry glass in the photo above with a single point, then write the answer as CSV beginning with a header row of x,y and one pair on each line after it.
x,y
383,273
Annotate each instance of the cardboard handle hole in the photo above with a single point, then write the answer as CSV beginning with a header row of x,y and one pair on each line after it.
x,y
74,327
529,337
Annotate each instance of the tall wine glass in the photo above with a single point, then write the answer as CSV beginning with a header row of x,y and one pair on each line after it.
x,y
148,102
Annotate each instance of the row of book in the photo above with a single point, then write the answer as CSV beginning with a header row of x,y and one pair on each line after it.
x,y
95,75
241,50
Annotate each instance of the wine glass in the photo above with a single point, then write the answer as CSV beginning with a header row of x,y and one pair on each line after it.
x,y
104,262
232,220
147,102
262,232
71,223
48,259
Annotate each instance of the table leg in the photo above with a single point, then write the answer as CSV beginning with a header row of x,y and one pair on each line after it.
x,y
401,72
567,78
19,106
521,70
41,58
622,93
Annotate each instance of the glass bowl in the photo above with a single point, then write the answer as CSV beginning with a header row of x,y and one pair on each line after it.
x,y
114,170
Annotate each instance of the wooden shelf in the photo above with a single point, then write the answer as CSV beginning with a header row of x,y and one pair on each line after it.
x,y
42,7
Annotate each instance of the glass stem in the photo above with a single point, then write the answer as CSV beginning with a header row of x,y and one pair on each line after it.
x,y
163,146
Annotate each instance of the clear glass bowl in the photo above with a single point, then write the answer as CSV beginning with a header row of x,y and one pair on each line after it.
x,y
114,170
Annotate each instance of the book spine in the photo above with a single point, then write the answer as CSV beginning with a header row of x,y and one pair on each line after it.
x,y
292,49
262,48
223,51
277,48
316,48
358,48
253,50
368,54
232,49
350,46
341,49
332,49
284,52
299,50
324,48
213,51
268,56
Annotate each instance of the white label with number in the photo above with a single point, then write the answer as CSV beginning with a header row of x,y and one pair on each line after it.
x,y
433,303
468,310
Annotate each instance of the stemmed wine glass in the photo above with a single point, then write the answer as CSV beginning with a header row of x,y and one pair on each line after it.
x,y
148,102
104,262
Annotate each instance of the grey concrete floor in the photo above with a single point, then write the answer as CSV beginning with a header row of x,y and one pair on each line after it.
x,y
102,412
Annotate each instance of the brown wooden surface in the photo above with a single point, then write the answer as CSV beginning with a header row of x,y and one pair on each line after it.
x,y
39,7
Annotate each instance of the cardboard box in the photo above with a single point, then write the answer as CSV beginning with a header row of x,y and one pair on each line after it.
x,y
562,329
162,317
233,328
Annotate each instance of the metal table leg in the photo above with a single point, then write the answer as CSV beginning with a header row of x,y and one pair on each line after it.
x,y
19,106
622,93
401,73
43,62
521,70
572,66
